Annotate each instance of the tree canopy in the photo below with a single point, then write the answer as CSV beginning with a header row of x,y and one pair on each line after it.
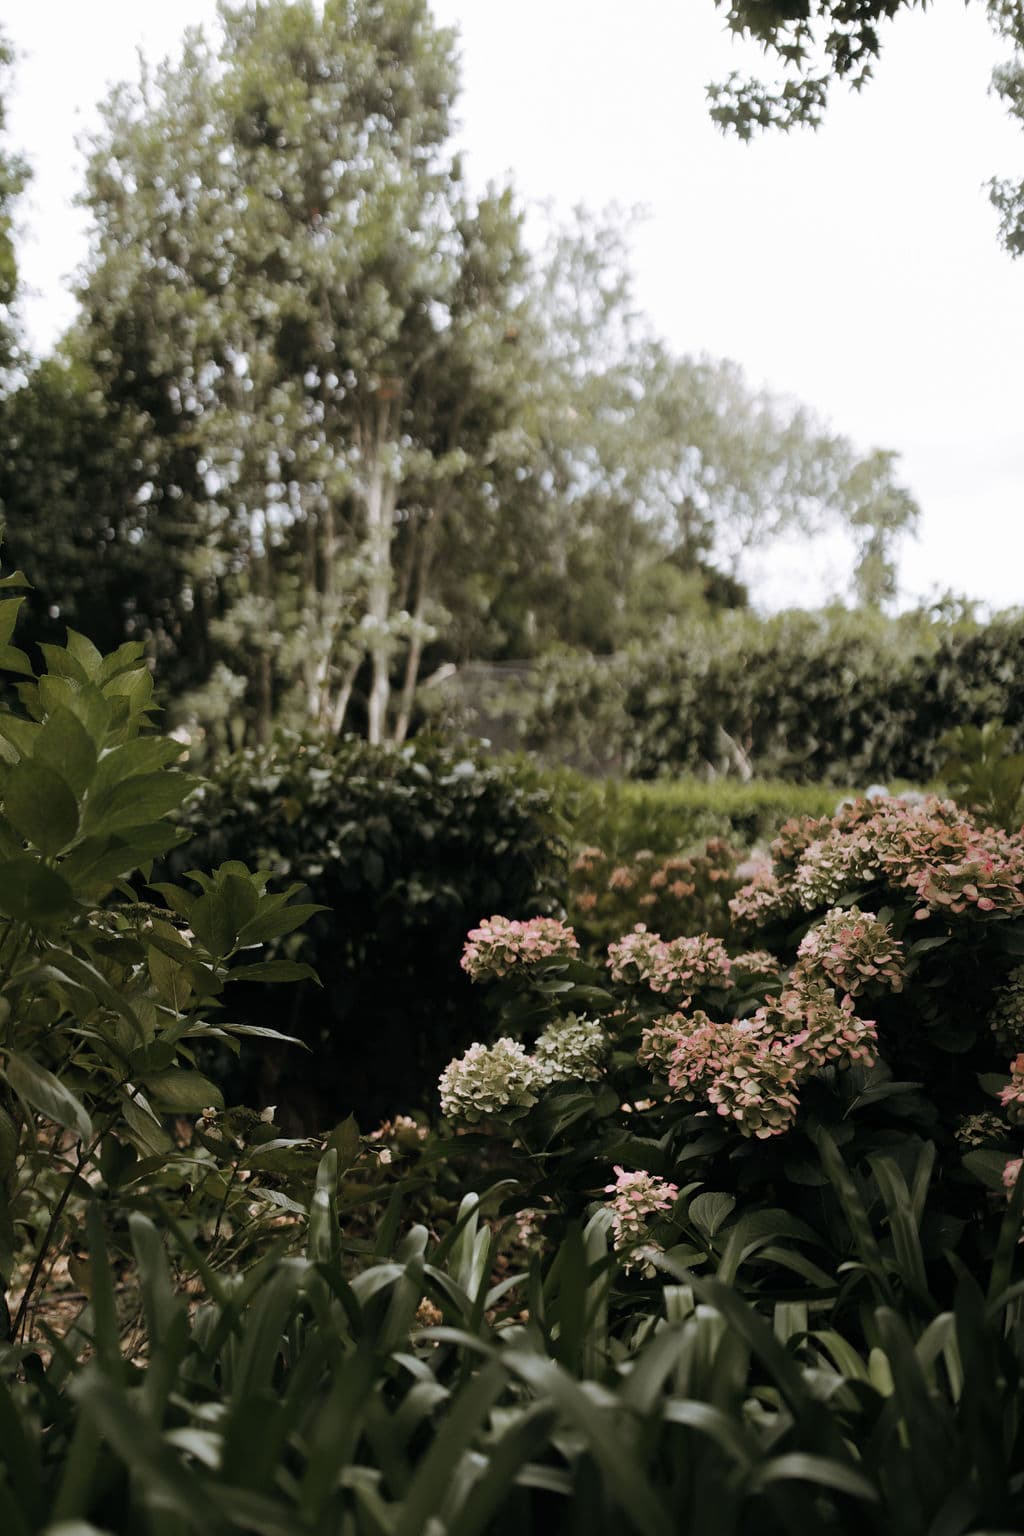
x,y
13,176
327,422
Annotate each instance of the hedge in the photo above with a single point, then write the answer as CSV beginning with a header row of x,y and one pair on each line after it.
x,y
832,697
407,849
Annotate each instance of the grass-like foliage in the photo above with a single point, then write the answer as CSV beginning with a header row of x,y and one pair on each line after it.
x,y
411,1398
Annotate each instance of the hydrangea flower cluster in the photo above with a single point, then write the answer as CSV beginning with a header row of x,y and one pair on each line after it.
x,y
486,1080
636,958
1006,1019
681,966
659,1040
761,902
1012,1096
927,846
502,944
750,1069
984,1130
754,967
635,1196
570,1050
830,1031
832,864
853,949
794,838
739,1070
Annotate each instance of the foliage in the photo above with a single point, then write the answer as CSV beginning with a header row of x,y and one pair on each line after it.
x,y
402,847
13,177
323,451
983,774
829,697
622,817
107,557
308,1400
876,1007
835,40
1007,17
817,44
104,999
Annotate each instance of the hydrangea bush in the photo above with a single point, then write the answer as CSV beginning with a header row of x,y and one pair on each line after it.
x,y
871,1002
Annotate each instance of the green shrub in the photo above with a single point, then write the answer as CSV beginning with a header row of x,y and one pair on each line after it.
x,y
403,848
104,999
667,816
832,697
664,852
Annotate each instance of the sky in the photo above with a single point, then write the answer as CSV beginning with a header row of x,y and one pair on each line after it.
x,y
856,269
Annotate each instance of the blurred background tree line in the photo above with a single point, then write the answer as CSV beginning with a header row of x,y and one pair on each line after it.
x,y
327,423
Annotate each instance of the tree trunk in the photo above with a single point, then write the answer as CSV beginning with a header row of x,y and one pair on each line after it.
x,y
415,654
381,495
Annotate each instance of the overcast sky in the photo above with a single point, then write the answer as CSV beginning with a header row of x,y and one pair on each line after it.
x,y
856,269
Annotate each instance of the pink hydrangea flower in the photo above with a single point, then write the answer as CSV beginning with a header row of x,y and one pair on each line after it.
x,y
1012,1096
659,1040
853,950
502,944
678,966
635,1196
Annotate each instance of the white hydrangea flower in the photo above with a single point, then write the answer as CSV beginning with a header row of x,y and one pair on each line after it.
x,y
486,1080
571,1050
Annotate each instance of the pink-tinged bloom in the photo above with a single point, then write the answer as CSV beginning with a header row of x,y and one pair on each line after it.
x,y
753,969
677,966
622,878
761,902
659,1040
1011,1173
853,950
635,1196
501,945
828,1031
1012,1096
738,1069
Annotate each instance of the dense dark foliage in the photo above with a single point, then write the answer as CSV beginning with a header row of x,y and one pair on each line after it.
x,y
405,848
812,697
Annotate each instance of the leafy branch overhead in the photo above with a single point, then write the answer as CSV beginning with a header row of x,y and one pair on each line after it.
x,y
820,43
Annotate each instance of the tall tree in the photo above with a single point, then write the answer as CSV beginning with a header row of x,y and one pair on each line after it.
x,y
13,176
288,280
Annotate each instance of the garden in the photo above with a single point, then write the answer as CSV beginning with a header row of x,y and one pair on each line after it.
x,y
504,1030
678,1190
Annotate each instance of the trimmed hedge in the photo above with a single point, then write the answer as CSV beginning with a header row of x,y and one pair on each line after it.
x,y
830,697
621,817
407,849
